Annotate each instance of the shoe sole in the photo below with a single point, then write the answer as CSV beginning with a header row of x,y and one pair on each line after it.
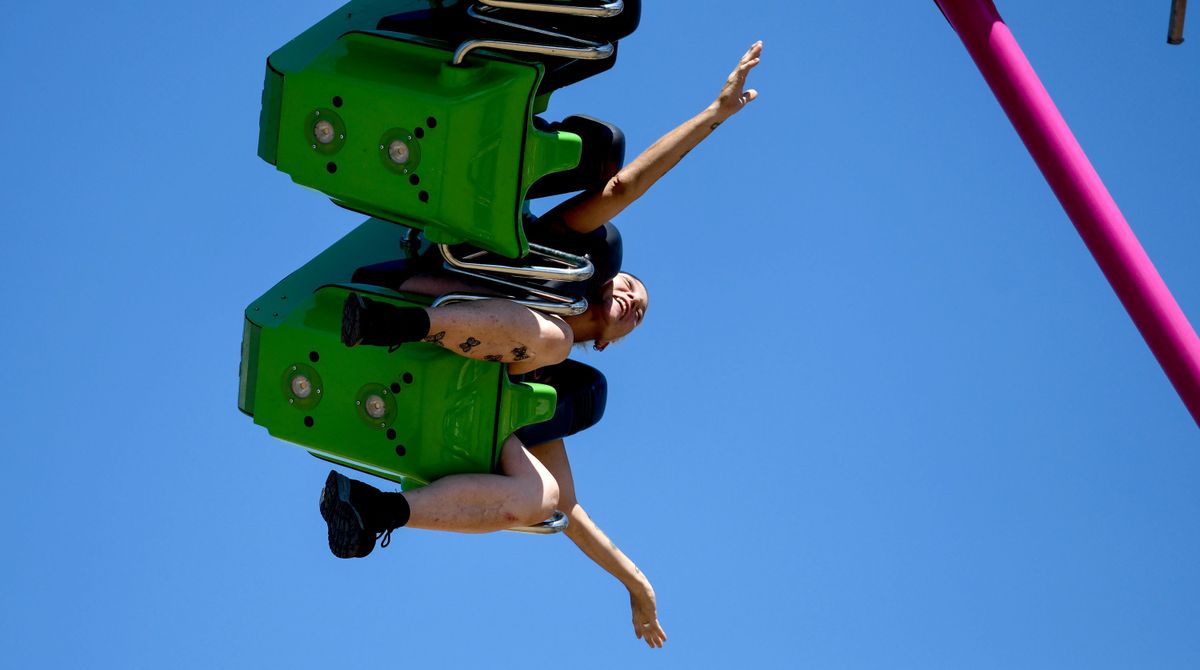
x,y
345,525
352,320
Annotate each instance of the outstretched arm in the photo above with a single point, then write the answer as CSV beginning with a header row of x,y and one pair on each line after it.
x,y
596,545
592,209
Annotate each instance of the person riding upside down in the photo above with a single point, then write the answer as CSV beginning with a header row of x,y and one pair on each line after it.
x,y
535,474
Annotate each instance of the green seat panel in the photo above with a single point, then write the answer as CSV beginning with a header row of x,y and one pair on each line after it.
x,y
470,151
413,415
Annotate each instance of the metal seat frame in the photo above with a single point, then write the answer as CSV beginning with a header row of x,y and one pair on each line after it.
x,y
576,268
587,50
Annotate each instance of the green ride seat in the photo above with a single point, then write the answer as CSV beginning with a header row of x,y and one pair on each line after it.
x,y
411,416
384,124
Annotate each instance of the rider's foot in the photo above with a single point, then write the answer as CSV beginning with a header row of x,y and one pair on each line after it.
x,y
352,316
366,321
357,514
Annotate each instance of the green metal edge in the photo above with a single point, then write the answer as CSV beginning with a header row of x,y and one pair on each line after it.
x,y
248,372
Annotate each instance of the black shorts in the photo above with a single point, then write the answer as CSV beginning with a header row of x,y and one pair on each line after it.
x,y
582,394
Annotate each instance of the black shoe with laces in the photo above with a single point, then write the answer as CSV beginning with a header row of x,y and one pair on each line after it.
x,y
357,515
352,319
366,321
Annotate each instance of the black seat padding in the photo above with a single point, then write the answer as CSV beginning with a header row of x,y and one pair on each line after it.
x,y
603,156
391,274
609,29
582,396
450,24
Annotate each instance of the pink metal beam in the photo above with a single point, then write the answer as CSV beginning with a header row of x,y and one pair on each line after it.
x,y
1082,194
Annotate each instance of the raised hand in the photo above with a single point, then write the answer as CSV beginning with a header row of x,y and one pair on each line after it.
x,y
734,96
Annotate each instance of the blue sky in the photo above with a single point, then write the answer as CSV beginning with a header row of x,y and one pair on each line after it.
x,y
885,411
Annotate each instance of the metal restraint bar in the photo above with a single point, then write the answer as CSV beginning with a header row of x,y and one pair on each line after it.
x,y
567,46
607,10
587,50
555,524
550,303
577,269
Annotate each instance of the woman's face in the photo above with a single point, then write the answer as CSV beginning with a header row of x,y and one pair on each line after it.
x,y
623,309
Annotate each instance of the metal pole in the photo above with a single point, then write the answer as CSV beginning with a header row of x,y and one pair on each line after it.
x,y
1175,29
1081,192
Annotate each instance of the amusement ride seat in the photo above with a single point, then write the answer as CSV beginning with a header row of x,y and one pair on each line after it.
x,y
421,113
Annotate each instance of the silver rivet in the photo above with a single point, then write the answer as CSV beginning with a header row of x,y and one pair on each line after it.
x,y
323,131
301,386
376,407
398,151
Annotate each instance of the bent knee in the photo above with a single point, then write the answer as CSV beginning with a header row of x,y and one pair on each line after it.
x,y
536,493
537,504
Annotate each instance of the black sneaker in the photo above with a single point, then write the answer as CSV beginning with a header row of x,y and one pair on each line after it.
x,y
344,504
381,324
352,320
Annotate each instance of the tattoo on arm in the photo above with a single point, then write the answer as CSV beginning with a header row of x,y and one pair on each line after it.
x,y
714,125
680,159
520,353
436,338
494,358
470,344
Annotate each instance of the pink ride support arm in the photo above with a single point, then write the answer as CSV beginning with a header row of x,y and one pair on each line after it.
x,y
1081,192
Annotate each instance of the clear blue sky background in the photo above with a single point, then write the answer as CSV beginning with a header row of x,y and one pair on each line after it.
x,y
885,411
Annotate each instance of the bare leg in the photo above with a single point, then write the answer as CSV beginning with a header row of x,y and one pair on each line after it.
x,y
502,332
524,495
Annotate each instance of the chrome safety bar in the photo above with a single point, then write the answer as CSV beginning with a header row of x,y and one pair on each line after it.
x,y
578,268
608,9
562,309
587,51
541,300
598,52
520,26
555,524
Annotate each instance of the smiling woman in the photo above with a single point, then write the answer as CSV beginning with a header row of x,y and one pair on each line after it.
x,y
622,310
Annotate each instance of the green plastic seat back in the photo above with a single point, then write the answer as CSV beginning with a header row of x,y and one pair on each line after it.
x,y
383,124
413,415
